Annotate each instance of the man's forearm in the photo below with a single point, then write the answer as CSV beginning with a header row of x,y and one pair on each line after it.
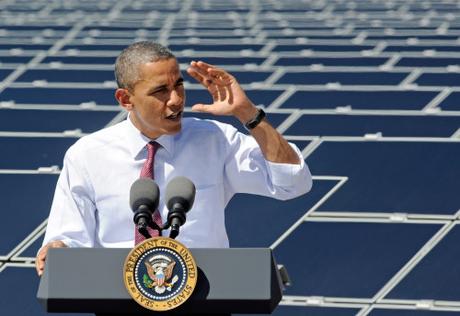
x,y
273,145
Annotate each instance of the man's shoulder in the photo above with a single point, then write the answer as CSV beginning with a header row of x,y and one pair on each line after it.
x,y
98,139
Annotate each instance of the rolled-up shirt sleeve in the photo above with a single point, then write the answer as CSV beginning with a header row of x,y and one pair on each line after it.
x,y
72,217
247,171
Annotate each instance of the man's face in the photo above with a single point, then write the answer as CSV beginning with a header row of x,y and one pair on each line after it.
x,y
158,98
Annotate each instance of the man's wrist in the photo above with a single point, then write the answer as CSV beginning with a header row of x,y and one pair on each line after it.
x,y
251,124
246,113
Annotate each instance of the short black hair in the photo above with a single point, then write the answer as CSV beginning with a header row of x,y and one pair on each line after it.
x,y
132,57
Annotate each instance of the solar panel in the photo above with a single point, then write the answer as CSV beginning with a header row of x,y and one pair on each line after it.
x,y
26,201
371,100
33,152
53,121
22,283
67,75
390,176
96,60
70,96
387,125
4,73
435,79
427,61
344,78
401,312
420,48
434,276
317,311
331,61
341,259
265,219
451,102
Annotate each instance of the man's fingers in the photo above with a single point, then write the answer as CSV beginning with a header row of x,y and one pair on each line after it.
x,y
205,108
196,75
40,260
41,256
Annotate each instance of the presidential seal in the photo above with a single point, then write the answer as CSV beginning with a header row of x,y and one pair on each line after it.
x,y
160,273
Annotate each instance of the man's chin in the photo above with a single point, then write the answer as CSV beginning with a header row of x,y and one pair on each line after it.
x,y
174,129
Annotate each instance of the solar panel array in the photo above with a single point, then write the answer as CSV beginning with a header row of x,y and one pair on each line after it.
x,y
369,90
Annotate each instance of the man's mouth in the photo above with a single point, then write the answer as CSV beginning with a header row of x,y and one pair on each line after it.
x,y
174,116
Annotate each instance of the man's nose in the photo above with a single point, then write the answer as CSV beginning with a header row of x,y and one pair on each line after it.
x,y
175,98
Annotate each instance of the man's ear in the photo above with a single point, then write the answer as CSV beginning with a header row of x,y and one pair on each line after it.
x,y
123,97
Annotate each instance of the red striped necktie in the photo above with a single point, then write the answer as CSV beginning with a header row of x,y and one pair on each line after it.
x,y
147,172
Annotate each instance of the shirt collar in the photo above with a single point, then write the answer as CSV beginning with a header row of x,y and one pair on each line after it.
x,y
136,141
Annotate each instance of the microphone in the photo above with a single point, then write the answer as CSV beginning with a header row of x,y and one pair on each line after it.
x,y
180,195
144,198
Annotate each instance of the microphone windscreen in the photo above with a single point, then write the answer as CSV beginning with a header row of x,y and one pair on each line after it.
x,y
144,191
180,190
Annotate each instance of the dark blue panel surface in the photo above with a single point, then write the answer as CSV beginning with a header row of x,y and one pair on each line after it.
x,y
348,259
19,286
15,59
389,125
274,118
58,96
435,79
4,73
323,48
36,27
61,75
219,47
90,47
420,48
301,144
427,62
32,152
405,37
407,177
100,60
345,78
437,276
309,311
451,103
32,250
280,35
23,196
331,61
245,77
416,312
258,97
25,46
373,100
110,28
226,60
53,121
256,221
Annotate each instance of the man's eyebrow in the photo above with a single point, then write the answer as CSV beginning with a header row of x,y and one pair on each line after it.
x,y
153,89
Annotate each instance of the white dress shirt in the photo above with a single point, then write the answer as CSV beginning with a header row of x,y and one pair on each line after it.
x,y
91,202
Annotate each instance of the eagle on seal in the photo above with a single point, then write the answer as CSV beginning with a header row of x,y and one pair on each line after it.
x,y
160,270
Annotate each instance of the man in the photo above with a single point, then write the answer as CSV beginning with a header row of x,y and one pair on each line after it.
x,y
90,206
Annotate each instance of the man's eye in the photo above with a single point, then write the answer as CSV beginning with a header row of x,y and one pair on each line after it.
x,y
162,90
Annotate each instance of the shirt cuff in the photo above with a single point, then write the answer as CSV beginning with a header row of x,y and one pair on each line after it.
x,y
285,174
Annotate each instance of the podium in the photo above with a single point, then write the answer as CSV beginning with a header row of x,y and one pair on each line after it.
x,y
89,280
